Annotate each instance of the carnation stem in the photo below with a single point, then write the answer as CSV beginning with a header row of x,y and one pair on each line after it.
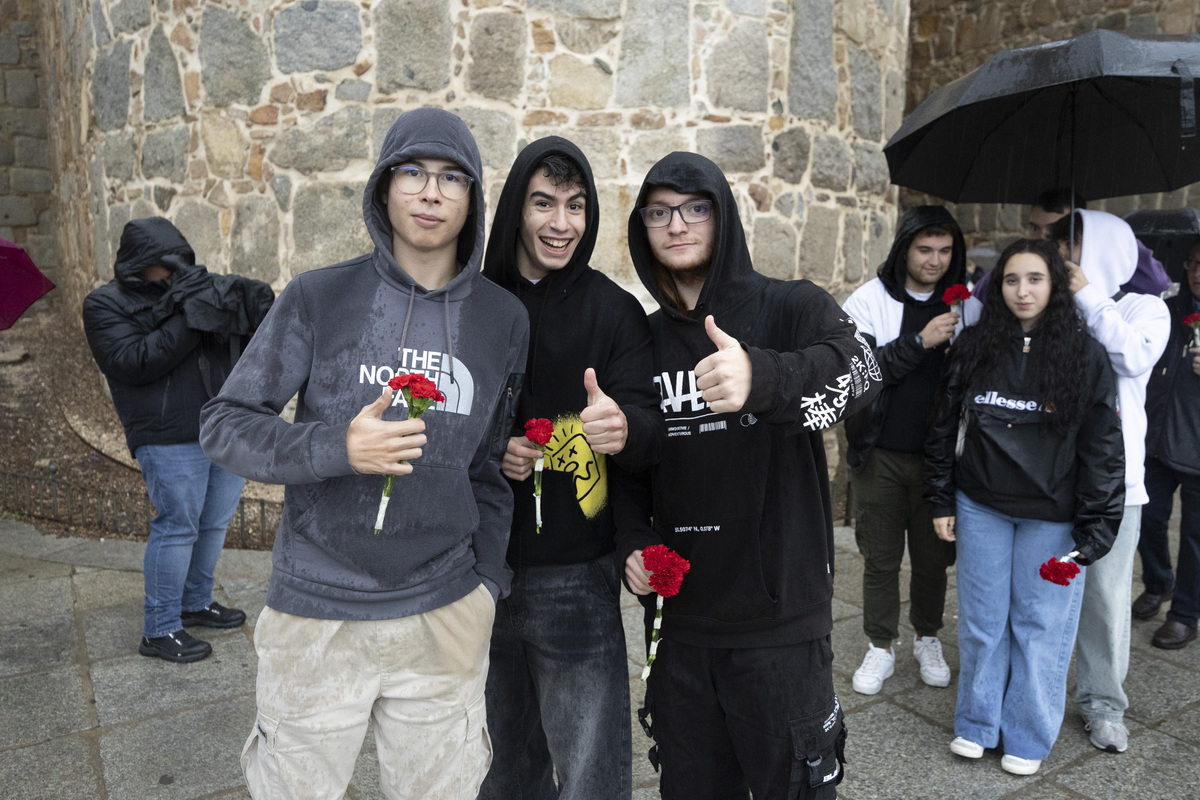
x,y
383,502
653,638
537,491
1070,555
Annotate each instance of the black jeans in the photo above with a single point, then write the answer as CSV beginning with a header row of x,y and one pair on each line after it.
x,y
734,722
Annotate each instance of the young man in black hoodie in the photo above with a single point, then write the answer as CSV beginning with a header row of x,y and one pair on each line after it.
x,y
902,314
558,690
751,370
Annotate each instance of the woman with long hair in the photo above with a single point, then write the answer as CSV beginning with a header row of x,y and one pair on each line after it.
x,y
1027,464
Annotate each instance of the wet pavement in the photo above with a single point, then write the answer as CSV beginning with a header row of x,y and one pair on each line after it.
x,y
84,717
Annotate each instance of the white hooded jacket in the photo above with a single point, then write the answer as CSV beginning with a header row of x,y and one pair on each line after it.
x,y
1133,330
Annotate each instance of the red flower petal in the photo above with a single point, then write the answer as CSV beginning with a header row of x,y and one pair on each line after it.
x,y
1059,572
1192,320
955,293
539,431
667,569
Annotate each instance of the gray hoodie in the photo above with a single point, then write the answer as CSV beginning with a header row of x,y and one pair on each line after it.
x,y
335,336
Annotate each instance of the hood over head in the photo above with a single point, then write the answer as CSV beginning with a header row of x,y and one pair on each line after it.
x,y
894,271
150,241
500,262
1110,253
425,133
730,270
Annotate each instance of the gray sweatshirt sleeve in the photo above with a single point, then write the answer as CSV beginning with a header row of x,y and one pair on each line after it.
x,y
493,495
240,428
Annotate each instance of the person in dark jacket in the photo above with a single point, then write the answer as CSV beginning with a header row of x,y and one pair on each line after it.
x,y
162,364
1173,461
750,371
902,314
558,679
1040,475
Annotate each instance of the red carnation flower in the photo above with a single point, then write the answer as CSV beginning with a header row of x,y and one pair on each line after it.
x,y
667,568
1058,571
1192,320
955,294
539,431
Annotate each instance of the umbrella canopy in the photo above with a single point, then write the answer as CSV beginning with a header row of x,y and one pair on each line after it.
x,y
21,283
1106,113
1170,233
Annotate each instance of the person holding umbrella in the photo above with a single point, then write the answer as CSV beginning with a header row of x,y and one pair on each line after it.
x,y
1026,458
1133,328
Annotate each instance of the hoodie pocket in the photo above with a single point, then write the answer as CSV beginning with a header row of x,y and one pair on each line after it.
x,y
506,413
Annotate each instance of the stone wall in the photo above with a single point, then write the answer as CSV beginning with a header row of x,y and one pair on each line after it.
x,y
252,124
949,38
27,212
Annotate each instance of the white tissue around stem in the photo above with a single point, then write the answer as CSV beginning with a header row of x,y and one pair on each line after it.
x,y
653,638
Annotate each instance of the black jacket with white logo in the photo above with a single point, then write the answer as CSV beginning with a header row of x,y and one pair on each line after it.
x,y
1017,465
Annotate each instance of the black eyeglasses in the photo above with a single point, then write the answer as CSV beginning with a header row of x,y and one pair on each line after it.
x,y
412,179
691,212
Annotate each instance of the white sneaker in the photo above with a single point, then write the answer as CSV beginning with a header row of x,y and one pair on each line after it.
x,y
934,670
1109,736
1020,766
877,666
966,748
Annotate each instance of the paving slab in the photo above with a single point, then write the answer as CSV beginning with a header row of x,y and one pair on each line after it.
x,y
106,553
101,588
1158,689
23,539
135,686
35,599
1155,766
59,769
113,631
38,644
161,757
21,569
40,706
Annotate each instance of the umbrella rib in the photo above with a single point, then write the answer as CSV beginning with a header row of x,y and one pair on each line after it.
x,y
979,150
1139,124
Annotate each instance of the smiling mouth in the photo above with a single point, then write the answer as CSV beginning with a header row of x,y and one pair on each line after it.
x,y
557,246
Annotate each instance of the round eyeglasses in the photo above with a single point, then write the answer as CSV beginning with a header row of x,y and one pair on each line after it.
x,y
412,179
691,212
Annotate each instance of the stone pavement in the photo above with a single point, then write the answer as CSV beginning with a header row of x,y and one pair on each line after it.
x,y
84,717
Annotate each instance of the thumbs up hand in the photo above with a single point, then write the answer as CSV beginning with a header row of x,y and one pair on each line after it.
x,y
378,447
724,377
604,422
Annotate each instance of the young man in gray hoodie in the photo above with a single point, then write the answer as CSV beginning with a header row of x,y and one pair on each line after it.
x,y
391,625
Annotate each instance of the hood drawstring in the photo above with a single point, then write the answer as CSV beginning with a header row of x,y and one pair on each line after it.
x,y
449,337
412,296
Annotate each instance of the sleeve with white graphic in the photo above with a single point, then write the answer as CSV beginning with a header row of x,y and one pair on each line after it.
x,y
829,373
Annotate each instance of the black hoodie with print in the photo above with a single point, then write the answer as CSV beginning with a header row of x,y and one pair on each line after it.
x,y
578,318
744,496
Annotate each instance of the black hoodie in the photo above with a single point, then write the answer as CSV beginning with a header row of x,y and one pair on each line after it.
x,y
910,372
578,319
745,496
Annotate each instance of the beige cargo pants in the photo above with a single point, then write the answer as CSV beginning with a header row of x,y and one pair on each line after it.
x,y
420,678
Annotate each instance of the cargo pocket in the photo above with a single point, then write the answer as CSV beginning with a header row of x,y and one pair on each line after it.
x,y
477,756
818,753
260,762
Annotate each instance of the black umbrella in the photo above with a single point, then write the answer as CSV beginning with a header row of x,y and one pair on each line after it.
x,y
1106,113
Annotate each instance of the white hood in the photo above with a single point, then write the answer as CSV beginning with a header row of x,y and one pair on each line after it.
x,y
1110,252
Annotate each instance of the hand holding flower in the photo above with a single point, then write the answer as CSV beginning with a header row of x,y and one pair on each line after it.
x,y
420,394
379,447
519,456
539,432
1193,322
1060,570
954,296
667,569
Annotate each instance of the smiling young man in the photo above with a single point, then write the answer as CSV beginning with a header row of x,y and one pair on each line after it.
x,y
750,370
558,687
388,626
902,314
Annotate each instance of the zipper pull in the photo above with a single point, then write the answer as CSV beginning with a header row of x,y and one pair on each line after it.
x,y
1025,349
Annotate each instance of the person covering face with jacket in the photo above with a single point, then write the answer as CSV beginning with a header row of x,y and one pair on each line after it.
x,y
165,333
390,627
558,681
750,371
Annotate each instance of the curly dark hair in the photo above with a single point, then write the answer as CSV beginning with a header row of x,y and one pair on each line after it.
x,y
1062,349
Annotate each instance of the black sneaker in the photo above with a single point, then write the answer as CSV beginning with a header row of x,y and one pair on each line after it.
x,y
178,646
214,615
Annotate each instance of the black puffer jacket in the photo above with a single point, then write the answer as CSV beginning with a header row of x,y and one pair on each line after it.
x,y
160,367
1018,466
1173,396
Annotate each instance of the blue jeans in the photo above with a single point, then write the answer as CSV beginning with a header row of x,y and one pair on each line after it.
x,y
195,500
1102,647
558,687
1154,548
1015,630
